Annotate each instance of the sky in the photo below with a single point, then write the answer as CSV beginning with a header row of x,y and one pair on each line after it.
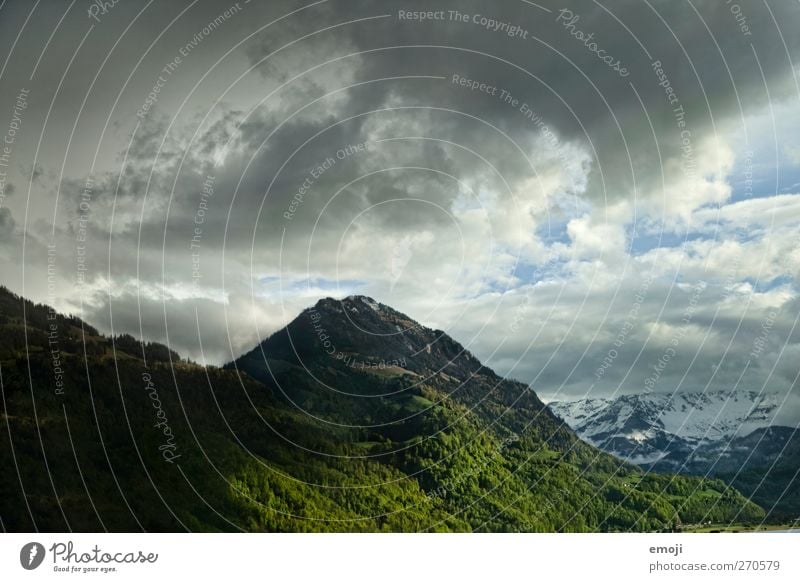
x,y
595,198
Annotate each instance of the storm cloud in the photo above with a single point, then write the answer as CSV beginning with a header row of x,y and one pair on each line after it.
x,y
592,197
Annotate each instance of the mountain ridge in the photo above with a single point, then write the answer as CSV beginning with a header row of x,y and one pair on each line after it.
x,y
645,428
289,437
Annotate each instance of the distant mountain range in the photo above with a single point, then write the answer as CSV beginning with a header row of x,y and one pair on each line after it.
x,y
352,418
725,434
649,428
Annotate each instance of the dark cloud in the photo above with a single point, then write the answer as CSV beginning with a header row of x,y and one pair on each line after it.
x,y
333,151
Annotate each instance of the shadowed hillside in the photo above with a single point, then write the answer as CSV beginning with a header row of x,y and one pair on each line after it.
x,y
353,418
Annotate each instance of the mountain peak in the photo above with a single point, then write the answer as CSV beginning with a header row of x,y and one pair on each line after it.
x,y
362,298
350,302
340,351
359,328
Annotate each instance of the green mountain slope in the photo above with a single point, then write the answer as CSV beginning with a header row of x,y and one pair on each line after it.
x,y
765,466
353,418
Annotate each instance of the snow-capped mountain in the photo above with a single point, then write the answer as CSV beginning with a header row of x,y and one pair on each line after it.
x,y
665,430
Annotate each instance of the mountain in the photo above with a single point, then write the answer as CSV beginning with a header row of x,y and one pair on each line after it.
x,y
666,427
765,466
726,434
352,418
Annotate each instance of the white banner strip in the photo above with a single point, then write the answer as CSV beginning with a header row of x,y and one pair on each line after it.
x,y
400,557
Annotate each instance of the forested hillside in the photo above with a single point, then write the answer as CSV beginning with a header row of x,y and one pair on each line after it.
x,y
397,428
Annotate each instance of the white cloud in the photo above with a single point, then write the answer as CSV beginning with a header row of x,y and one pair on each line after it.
x,y
689,184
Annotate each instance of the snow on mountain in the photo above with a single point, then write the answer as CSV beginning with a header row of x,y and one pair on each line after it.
x,y
575,412
665,427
